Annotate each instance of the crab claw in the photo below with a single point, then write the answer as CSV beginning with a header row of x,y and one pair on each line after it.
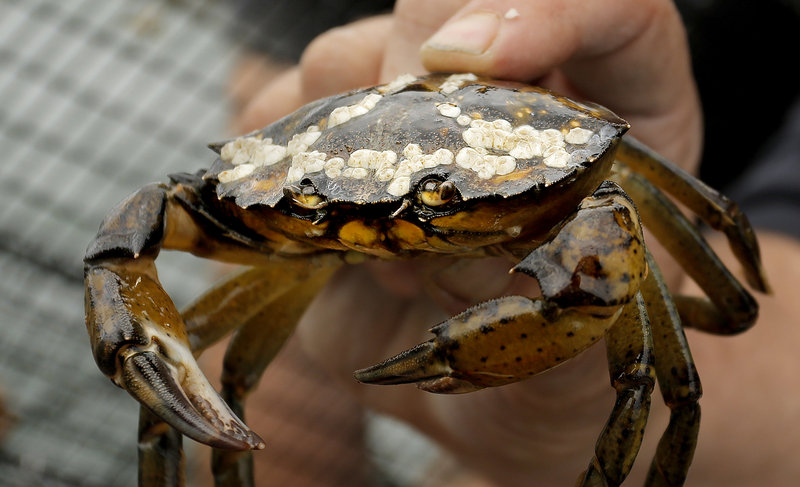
x,y
152,359
494,343
421,364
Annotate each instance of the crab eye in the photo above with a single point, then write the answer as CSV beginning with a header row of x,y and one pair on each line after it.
x,y
305,196
436,193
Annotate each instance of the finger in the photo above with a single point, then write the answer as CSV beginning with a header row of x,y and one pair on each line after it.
x,y
344,58
414,22
629,55
274,100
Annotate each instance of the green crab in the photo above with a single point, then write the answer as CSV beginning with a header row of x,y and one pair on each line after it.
x,y
439,165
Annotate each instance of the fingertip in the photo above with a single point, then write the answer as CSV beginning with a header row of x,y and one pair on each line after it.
x,y
274,100
344,58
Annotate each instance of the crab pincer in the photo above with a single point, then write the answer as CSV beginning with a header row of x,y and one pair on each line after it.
x,y
511,338
139,338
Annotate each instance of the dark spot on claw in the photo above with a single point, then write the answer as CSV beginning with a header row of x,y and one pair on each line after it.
x,y
502,347
484,359
518,359
486,329
504,321
570,334
524,336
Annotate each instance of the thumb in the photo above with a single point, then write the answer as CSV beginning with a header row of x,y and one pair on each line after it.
x,y
630,55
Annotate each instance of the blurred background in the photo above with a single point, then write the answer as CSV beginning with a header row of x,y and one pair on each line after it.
x,y
99,97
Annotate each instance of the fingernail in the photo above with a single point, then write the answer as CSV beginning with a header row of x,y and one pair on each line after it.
x,y
471,34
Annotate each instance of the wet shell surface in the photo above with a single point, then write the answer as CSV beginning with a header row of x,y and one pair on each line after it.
x,y
377,144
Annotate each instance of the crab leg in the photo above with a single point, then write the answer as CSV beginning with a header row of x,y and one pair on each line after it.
x,y
251,350
161,459
630,365
715,209
139,339
731,308
678,381
511,338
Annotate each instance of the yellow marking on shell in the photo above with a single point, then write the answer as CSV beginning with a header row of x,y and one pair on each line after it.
x,y
358,233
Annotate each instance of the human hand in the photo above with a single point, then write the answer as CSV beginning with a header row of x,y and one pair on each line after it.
x,y
629,56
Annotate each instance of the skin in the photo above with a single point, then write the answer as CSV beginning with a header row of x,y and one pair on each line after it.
x,y
632,57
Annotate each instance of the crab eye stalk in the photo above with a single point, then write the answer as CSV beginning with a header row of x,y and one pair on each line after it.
x,y
305,196
436,193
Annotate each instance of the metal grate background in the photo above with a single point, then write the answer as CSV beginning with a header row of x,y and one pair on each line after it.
x,y
97,98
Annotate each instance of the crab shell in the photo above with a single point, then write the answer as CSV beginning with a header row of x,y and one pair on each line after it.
x,y
376,145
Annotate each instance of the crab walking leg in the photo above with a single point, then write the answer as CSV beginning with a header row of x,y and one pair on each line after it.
x,y
138,337
161,459
251,350
731,308
715,209
629,346
678,381
588,270
230,304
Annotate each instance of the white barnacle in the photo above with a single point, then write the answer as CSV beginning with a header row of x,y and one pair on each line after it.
x,y
333,167
294,174
341,115
411,151
489,135
468,158
384,174
302,141
455,81
268,154
245,149
511,13
371,159
552,138
237,172
399,186
397,84
578,136
355,172
448,110
463,119
439,157
305,163
556,157
486,167
505,165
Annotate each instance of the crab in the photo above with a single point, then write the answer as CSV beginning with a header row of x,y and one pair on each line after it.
x,y
440,165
